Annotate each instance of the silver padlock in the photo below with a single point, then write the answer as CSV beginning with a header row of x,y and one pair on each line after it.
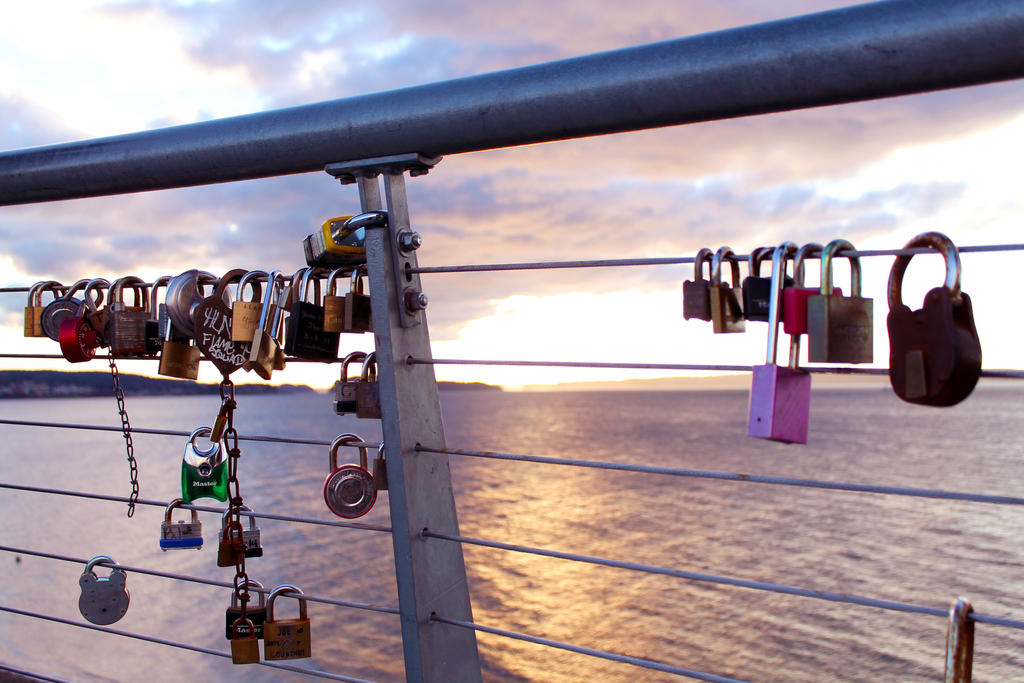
x,y
349,490
368,391
180,535
104,600
250,536
345,389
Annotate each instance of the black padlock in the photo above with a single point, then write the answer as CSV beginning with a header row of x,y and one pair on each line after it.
x,y
697,292
934,352
305,336
257,614
757,290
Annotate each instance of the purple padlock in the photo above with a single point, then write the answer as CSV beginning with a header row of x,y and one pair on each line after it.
x,y
780,396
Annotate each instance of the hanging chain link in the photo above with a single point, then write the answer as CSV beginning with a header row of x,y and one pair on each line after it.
x,y
126,431
227,413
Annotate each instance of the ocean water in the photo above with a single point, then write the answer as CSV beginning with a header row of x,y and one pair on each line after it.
x,y
925,552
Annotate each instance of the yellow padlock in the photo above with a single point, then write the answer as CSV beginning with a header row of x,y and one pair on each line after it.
x,y
286,638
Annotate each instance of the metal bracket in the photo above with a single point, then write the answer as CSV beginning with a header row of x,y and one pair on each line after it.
x,y
366,172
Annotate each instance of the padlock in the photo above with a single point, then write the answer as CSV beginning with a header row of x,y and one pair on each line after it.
x,y
156,325
380,470
839,328
34,307
178,358
61,308
334,305
245,315
231,547
305,336
250,536
934,352
367,390
104,600
286,638
780,397
180,535
184,294
245,649
726,311
697,292
345,390
794,299
757,290
349,490
126,327
358,313
97,316
265,348
212,328
256,613
204,473
78,338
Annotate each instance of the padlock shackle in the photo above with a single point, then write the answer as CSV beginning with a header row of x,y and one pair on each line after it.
x,y
91,564
176,503
361,221
246,585
309,275
272,288
224,517
808,251
370,362
725,254
136,284
942,244
757,254
332,280
34,292
826,267
285,589
779,256
356,283
251,278
348,360
704,255
202,431
161,281
344,440
96,284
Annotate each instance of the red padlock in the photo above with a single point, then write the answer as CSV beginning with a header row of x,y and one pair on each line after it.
x,y
794,299
77,337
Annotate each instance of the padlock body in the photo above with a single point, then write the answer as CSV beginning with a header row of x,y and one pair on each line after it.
x,y
349,491
78,341
231,548
33,321
245,650
756,296
286,639
179,360
794,307
934,352
179,535
103,600
253,544
726,312
305,336
358,316
245,319
839,329
263,358
334,313
345,397
780,404
380,474
257,615
697,299
126,332
368,400
205,481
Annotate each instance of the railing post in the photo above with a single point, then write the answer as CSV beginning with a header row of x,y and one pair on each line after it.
x,y
959,643
431,576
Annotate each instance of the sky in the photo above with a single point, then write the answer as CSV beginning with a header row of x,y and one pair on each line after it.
x,y
876,173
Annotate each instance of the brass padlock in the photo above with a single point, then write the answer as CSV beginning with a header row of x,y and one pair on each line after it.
x,y
264,355
358,316
178,358
345,390
839,328
286,638
245,314
726,306
368,391
245,649
380,470
334,305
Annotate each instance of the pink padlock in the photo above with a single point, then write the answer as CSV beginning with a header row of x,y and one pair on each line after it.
x,y
794,299
780,397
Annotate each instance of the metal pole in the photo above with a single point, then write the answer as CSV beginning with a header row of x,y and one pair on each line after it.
x,y
863,52
431,576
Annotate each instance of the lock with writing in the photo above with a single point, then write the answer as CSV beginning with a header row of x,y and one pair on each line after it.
x,y
256,613
245,313
934,352
794,299
61,308
757,289
212,327
305,336
204,473
839,328
180,535
345,390
367,390
334,304
697,292
266,352
104,600
780,397
358,314
250,535
77,337
349,490
286,638
126,326
726,310
34,307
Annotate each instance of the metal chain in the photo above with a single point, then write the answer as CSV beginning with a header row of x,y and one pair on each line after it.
x,y
227,413
126,431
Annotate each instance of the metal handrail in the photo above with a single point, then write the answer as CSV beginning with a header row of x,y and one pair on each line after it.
x,y
864,52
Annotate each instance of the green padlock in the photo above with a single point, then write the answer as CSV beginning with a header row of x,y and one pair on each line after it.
x,y
204,474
